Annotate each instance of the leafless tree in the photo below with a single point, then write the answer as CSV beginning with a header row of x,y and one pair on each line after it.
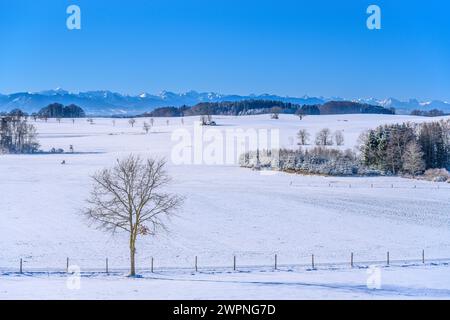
x,y
324,138
275,113
130,197
146,127
206,120
303,137
132,122
339,138
413,162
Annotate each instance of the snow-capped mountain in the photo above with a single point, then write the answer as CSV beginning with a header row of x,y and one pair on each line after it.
x,y
111,103
405,107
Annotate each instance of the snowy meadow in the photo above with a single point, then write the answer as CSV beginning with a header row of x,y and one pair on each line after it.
x,y
228,212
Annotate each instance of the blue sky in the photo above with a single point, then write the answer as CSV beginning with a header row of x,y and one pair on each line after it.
x,y
229,46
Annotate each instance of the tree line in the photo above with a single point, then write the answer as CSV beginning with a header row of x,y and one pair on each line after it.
x,y
251,107
54,110
428,113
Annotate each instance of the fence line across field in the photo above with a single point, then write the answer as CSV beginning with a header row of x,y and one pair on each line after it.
x,y
234,265
369,186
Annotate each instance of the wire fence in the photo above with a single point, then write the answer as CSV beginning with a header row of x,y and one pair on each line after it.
x,y
423,186
152,266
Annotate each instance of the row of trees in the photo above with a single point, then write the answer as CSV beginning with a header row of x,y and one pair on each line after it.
x,y
54,110
428,113
249,107
323,138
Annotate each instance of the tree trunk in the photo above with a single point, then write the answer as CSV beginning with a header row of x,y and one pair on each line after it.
x,y
132,256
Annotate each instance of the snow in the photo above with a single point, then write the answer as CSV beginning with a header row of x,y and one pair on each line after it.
x,y
401,282
228,211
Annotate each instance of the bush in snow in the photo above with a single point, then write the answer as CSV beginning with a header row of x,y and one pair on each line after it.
x,y
437,175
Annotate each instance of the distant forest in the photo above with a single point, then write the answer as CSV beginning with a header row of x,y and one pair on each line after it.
x,y
251,107
54,110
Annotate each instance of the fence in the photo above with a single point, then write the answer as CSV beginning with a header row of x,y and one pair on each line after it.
x,y
234,265
423,186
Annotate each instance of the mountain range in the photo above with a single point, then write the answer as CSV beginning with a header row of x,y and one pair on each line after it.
x,y
106,103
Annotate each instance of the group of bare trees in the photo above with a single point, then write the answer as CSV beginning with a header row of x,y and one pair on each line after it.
x,y
17,135
323,138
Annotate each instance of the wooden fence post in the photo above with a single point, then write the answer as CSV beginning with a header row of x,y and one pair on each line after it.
x,y
196,264
387,258
351,260
234,263
423,256
67,265
312,261
21,270
276,262
107,267
152,265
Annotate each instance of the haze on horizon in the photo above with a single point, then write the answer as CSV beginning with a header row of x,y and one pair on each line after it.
x,y
287,48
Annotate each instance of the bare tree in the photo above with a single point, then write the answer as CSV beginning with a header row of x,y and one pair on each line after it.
x,y
129,197
206,120
132,122
146,127
275,113
303,137
413,162
339,138
324,138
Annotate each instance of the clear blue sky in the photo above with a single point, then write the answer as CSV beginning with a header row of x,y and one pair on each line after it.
x,y
229,46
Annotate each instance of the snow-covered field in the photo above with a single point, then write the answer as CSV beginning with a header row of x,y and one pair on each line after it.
x,y
228,211
412,282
